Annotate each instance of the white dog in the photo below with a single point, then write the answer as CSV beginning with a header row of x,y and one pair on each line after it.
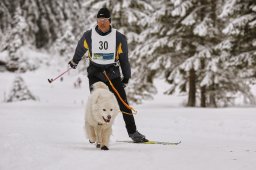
x,y
101,110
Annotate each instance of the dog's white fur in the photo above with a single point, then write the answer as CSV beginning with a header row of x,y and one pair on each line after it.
x,y
101,105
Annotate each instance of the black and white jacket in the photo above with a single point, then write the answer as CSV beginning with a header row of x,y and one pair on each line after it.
x,y
96,70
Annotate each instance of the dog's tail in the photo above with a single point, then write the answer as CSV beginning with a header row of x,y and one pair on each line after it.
x,y
100,85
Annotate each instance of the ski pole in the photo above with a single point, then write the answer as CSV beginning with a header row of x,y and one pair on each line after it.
x,y
53,79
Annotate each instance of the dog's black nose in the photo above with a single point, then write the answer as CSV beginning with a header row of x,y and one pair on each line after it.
x,y
109,116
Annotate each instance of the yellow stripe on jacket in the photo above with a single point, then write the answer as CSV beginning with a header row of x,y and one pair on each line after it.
x,y
119,51
87,48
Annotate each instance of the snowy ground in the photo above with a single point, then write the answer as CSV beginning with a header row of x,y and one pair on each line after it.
x,y
48,134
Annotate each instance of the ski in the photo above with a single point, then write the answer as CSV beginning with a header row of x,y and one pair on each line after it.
x,y
152,142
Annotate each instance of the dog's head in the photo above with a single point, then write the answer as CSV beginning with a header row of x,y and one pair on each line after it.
x,y
107,111
105,107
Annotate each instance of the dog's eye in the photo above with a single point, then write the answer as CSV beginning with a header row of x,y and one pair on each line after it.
x,y
111,109
104,110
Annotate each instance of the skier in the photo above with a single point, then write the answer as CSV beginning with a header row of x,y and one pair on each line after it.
x,y
107,50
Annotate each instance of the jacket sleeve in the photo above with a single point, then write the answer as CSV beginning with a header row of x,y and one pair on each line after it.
x,y
80,49
123,57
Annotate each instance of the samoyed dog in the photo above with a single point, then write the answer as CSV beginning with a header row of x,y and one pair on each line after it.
x,y
101,111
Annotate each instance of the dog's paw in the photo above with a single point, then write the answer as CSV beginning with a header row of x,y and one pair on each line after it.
x,y
91,141
98,145
104,148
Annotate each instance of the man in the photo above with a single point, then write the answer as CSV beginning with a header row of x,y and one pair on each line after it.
x,y
107,50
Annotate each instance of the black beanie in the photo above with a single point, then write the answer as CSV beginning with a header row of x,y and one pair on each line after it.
x,y
103,13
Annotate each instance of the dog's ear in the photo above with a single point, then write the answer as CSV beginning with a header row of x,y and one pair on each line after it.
x,y
96,98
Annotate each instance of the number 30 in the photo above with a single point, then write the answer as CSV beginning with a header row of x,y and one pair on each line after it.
x,y
103,45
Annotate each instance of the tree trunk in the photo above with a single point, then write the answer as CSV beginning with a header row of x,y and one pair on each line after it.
x,y
192,88
212,97
203,96
203,89
212,88
202,62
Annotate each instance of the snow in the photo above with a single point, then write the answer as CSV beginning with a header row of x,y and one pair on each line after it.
x,y
236,24
201,29
228,8
3,56
48,134
181,8
189,20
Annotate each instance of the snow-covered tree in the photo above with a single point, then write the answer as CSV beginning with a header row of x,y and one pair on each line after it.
x,y
65,44
237,50
166,43
240,29
16,40
210,66
39,24
184,49
132,18
150,55
5,18
19,91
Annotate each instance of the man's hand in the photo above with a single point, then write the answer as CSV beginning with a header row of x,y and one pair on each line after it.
x,y
72,64
125,82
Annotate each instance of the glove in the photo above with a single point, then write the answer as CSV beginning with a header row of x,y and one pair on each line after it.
x,y
125,82
72,64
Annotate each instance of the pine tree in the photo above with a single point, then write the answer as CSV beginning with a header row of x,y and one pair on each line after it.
x,y
186,52
39,24
16,40
5,25
46,20
168,44
65,43
132,18
151,55
237,51
240,30
209,62
19,91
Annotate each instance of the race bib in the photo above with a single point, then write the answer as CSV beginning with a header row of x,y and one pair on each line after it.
x,y
103,47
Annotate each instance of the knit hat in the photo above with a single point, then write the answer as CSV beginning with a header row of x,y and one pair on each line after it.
x,y
103,13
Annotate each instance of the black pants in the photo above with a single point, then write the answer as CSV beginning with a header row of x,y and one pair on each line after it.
x,y
128,119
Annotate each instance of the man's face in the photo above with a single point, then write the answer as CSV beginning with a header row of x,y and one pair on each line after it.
x,y
103,24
